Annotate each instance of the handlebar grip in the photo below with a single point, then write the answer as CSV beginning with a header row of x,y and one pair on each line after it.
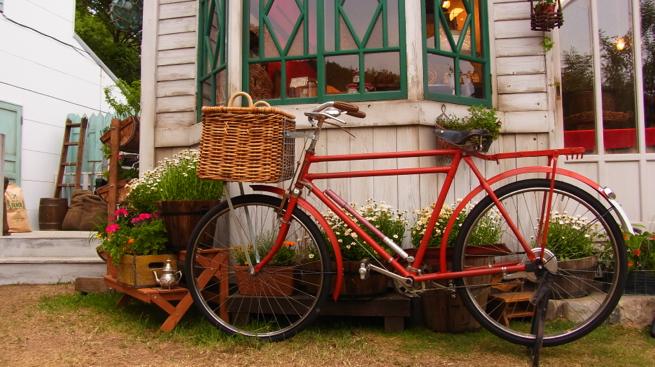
x,y
346,107
360,114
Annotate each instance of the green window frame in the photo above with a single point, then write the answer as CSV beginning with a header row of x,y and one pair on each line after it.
x,y
467,50
329,21
212,70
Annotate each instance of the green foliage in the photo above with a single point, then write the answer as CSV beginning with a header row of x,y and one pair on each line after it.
x,y
174,178
641,250
547,43
135,234
571,237
119,49
285,256
131,92
487,230
480,117
387,220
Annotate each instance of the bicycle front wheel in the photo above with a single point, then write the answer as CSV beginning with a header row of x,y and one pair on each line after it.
x,y
585,254
274,303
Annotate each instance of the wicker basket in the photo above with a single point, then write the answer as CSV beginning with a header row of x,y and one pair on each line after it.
x,y
246,143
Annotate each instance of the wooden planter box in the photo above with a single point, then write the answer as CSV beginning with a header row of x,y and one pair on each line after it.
x,y
137,271
272,281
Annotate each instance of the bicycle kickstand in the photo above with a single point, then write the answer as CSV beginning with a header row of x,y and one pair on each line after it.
x,y
540,302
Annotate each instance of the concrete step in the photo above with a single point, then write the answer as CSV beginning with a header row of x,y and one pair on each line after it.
x,y
46,257
49,244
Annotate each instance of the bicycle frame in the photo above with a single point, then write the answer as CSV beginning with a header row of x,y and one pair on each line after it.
x,y
305,179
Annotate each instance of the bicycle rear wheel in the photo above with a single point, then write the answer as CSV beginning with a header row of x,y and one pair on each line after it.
x,y
585,252
284,296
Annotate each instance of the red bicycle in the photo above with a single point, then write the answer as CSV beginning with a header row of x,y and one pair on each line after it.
x,y
261,265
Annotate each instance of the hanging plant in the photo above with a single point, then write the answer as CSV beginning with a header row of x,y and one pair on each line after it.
x,y
545,15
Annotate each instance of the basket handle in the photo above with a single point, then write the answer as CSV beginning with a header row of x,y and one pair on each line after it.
x,y
262,104
230,102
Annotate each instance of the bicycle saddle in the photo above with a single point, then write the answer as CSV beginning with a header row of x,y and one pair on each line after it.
x,y
476,140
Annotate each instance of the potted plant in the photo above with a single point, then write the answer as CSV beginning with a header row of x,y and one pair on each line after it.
x,y
275,279
545,15
572,240
443,311
641,262
174,189
389,221
133,246
479,118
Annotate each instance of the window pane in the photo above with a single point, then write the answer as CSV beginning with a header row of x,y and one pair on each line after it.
x,y
328,21
254,28
441,75
456,16
360,13
301,78
617,77
283,16
578,78
342,74
471,82
393,30
264,80
648,60
479,41
382,71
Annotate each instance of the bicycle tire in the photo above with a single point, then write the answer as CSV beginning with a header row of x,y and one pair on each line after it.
x,y
273,304
581,299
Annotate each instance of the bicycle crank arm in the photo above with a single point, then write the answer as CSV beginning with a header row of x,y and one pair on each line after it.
x,y
383,271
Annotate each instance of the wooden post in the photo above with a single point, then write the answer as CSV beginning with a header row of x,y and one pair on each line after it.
x,y
114,165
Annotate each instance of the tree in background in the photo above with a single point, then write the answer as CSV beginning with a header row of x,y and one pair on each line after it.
x,y
112,28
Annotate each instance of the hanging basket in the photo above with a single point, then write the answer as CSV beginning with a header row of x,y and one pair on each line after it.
x,y
544,17
247,144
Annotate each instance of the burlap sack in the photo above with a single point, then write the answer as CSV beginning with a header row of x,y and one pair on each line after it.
x,y
17,219
86,212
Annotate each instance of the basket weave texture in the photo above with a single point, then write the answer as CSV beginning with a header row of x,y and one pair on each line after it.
x,y
246,144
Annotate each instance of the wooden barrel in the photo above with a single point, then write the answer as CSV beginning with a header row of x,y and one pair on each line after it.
x,y
51,213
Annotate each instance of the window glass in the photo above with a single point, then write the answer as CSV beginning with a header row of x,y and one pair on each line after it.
x,y
648,70
457,63
617,76
578,78
321,48
212,60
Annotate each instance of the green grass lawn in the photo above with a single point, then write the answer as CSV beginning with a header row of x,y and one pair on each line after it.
x,y
361,341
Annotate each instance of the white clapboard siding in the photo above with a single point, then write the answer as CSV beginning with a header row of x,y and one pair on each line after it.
x,y
177,40
172,88
511,10
523,102
522,83
176,72
177,118
520,65
177,25
178,9
529,46
177,56
176,104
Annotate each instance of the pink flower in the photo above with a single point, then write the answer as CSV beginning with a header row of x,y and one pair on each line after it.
x,y
141,217
112,228
120,212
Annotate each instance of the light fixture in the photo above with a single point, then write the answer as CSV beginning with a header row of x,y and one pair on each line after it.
x,y
455,12
445,4
620,43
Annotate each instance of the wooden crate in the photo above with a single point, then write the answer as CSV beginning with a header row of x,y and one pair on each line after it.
x,y
136,271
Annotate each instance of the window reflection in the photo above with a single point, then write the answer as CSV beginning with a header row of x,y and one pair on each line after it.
x,y
617,77
578,78
648,72
382,71
453,32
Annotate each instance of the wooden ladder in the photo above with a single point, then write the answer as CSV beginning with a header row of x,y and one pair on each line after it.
x,y
63,161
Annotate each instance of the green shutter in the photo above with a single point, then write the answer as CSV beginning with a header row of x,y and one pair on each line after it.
x,y
11,117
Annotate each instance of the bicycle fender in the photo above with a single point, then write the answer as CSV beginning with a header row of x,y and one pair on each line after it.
x,y
604,192
316,215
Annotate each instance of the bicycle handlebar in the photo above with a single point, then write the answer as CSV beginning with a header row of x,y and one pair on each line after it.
x,y
349,108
